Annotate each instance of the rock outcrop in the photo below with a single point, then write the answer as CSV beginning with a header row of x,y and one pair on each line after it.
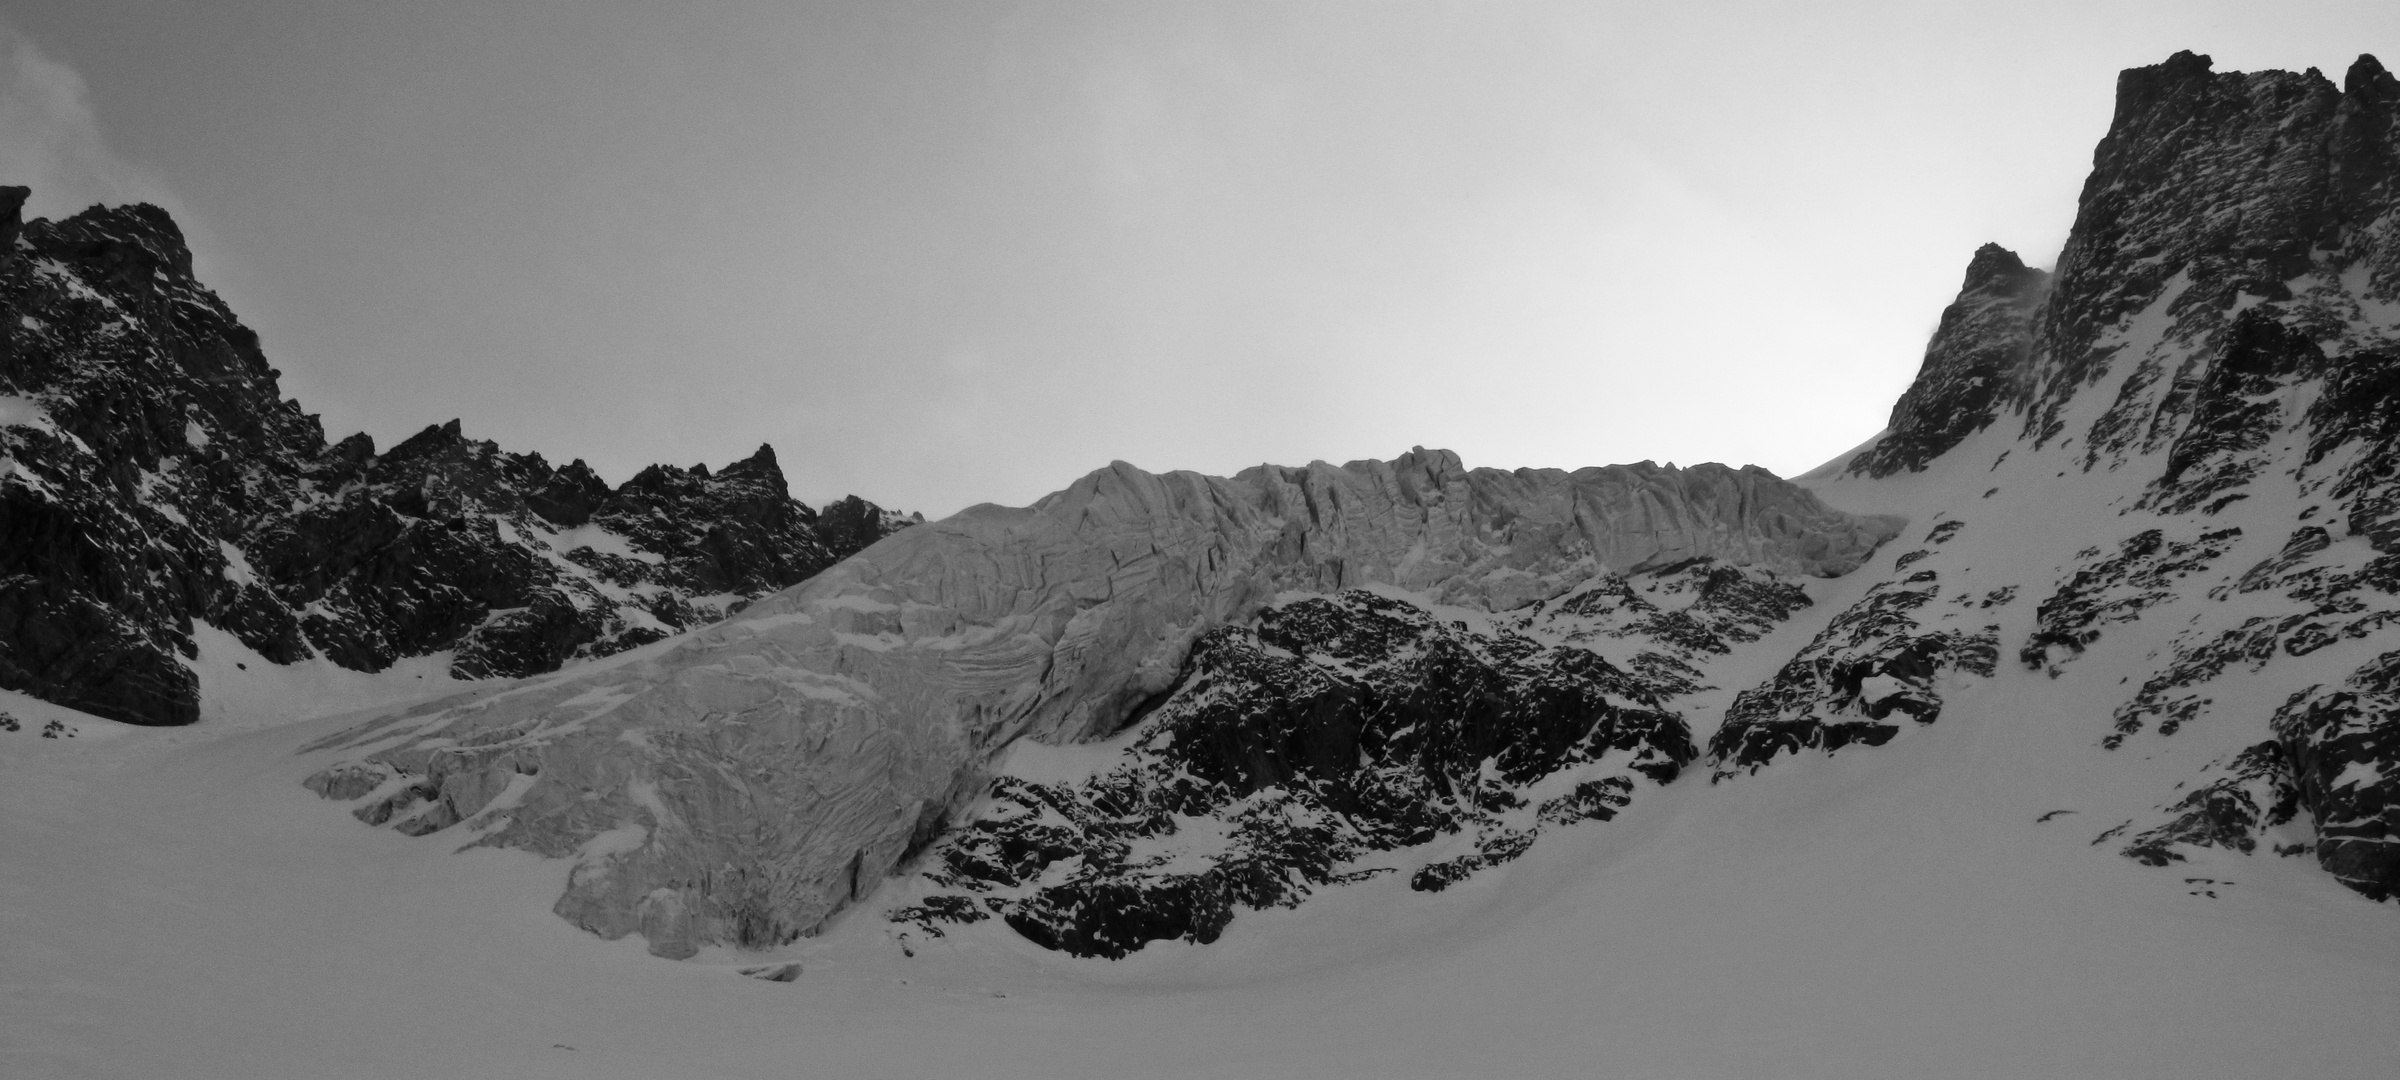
x,y
152,476
1353,736
743,783
2224,323
2211,194
1882,658
2340,746
1977,357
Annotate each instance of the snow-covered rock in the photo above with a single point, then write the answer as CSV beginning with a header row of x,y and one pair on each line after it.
x,y
777,766
1976,358
2222,338
153,476
1351,736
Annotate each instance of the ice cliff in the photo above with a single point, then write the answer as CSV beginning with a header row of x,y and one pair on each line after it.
x,y
742,784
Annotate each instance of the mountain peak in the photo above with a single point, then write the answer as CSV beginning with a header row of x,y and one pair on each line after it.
x,y
1972,366
759,466
1991,263
251,523
2367,79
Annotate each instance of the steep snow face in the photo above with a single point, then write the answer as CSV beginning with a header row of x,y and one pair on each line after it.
x,y
176,905
154,481
780,765
2222,341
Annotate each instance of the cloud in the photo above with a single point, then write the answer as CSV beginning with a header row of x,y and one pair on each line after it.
x,y
50,137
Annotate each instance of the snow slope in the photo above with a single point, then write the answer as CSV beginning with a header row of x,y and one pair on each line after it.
x,y
1942,830
178,906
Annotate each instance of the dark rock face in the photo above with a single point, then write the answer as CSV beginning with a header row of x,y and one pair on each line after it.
x,y
2336,751
2323,604
1335,742
1972,365
154,476
137,398
2330,760
1881,656
2211,192
2234,413
2342,746
2207,189
849,525
2234,271
2247,795
2144,571
2355,422
12,222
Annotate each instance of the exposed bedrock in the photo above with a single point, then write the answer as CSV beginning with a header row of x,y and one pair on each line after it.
x,y
154,478
1977,353
2213,192
1341,728
743,783
2341,744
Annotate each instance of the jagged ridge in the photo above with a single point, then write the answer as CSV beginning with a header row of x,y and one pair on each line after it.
x,y
762,774
2226,317
153,475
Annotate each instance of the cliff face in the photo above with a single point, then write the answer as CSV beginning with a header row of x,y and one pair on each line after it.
x,y
1351,736
2155,489
153,475
743,783
2211,373
2210,193
1977,358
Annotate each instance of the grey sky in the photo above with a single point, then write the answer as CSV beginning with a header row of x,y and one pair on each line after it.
x,y
946,253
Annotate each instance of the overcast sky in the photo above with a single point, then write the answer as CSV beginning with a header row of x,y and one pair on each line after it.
x,y
939,254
